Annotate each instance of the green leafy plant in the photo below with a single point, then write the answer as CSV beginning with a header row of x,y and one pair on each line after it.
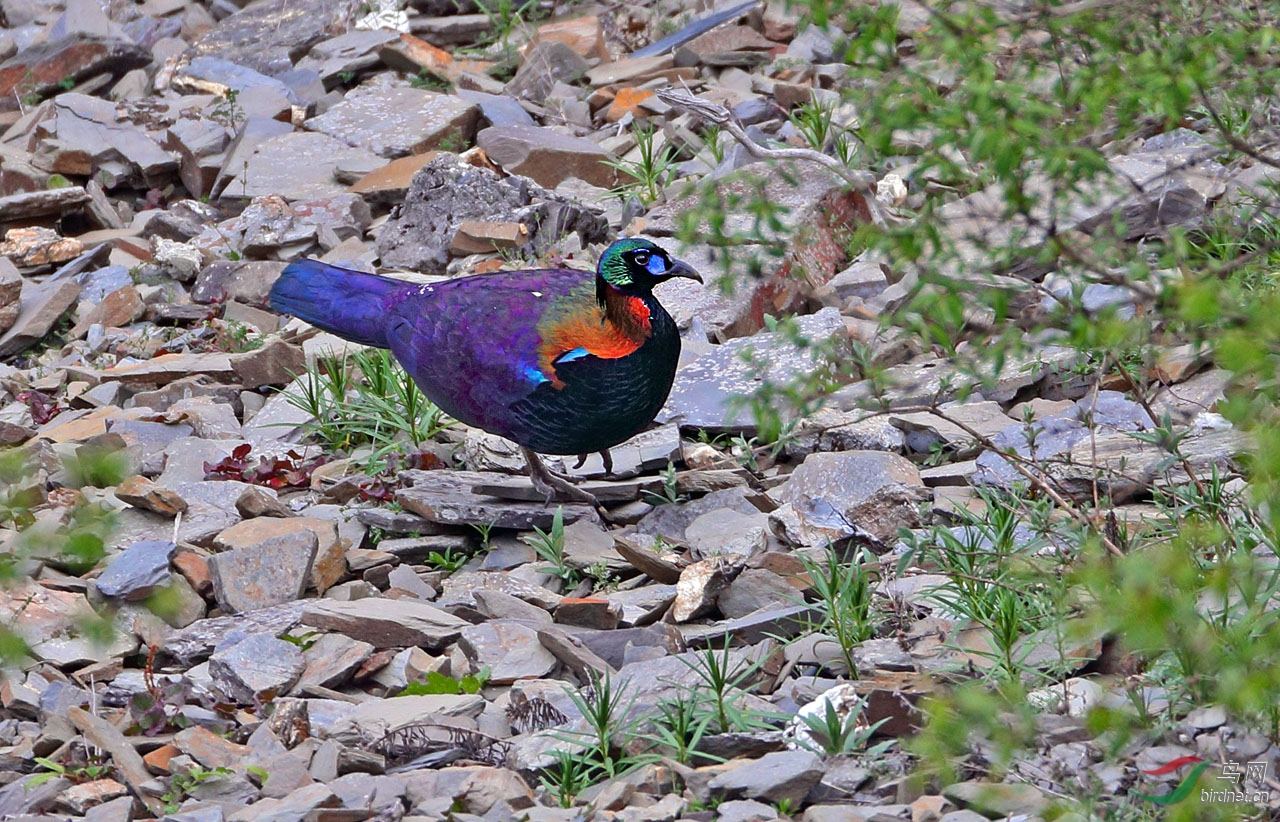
x,y
836,735
603,578
670,493
721,688
228,110
451,560
844,594
428,79
485,532
437,683
505,16
678,727
366,398
303,641
236,337
651,171
711,141
86,772
549,546
816,122
570,776
182,783
605,709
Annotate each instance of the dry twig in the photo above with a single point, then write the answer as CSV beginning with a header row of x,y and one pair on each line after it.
x,y
862,181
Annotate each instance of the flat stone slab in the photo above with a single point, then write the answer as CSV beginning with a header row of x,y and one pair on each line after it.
x,y
39,203
42,305
394,122
447,497
387,623
704,392
197,642
509,649
772,778
297,166
267,35
997,799
520,488
41,68
138,570
547,156
375,718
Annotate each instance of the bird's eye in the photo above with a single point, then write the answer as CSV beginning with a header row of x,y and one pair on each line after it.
x,y
641,257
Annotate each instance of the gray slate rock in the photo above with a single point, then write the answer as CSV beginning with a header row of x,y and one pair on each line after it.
x,y
727,533
756,588
497,109
198,641
267,36
272,572
744,810
544,65
672,521
397,121
772,778
997,799
387,623
548,156
868,494
332,660
256,668
509,649
447,192
704,390
296,165
303,803
138,570
42,305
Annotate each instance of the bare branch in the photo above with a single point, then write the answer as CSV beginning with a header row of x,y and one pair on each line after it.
x,y
862,181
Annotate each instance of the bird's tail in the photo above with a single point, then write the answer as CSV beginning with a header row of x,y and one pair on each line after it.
x,y
351,304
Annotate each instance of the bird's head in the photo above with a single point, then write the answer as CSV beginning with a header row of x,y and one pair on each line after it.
x,y
634,266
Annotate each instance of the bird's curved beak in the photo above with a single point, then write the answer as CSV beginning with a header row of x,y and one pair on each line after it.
x,y
679,268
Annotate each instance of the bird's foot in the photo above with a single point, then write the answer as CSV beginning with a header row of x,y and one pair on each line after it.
x,y
550,483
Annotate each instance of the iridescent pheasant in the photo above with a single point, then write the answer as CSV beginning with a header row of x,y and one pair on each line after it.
x,y
557,360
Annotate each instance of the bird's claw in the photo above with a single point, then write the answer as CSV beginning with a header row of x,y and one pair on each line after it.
x,y
550,483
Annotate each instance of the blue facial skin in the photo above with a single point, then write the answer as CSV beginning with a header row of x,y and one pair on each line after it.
x,y
657,266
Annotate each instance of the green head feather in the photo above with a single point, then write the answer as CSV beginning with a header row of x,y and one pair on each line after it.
x,y
634,265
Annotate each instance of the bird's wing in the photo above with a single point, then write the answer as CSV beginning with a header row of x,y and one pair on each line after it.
x,y
474,345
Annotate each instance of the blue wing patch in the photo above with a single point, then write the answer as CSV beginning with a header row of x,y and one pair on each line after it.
x,y
573,354
533,375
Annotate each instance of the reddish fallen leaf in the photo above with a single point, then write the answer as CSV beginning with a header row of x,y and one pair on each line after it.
x,y
289,471
43,407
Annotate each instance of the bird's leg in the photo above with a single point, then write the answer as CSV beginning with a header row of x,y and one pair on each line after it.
x,y
605,457
551,484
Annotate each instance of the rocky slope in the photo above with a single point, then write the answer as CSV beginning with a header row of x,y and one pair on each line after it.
x,y
267,627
